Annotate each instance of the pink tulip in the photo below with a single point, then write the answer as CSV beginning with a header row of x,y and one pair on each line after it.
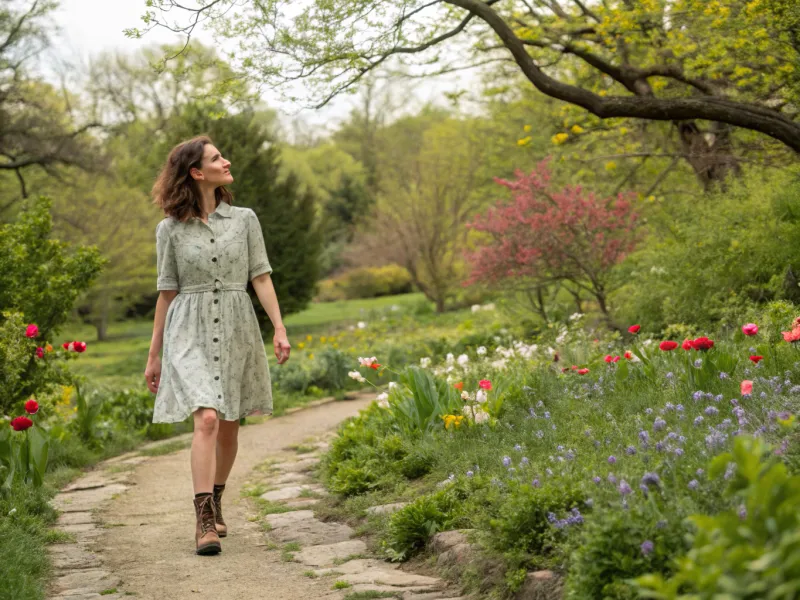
x,y
750,329
31,331
747,387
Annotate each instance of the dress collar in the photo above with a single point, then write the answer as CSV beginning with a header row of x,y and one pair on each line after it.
x,y
224,210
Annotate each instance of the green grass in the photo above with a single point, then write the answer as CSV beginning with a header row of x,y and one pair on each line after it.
x,y
287,554
371,595
329,313
340,585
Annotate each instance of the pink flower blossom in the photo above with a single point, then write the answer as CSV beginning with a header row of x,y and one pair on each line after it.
x,y
747,387
31,331
750,329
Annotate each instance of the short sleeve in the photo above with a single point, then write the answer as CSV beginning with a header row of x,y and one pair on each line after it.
x,y
166,263
258,263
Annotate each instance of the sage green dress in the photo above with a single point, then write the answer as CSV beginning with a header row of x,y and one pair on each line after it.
x,y
213,352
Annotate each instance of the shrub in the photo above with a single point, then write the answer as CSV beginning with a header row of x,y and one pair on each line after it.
x,y
366,282
411,527
610,551
419,461
522,526
750,550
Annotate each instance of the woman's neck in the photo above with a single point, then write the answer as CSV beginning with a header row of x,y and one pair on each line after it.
x,y
208,201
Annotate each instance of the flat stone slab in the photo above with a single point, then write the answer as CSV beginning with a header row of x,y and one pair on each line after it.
x,y
445,540
75,518
358,565
86,581
83,531
292,478
310,532
366,587
73,556
289,518
92,597
301,502
323,556
298,466
394,578
291,491
386,509
83,500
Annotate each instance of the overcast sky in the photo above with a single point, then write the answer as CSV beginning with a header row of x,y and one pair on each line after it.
x,y
92,26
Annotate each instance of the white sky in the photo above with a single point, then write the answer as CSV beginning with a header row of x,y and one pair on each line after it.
x,y
92,26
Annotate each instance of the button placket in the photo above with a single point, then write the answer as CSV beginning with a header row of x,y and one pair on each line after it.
x,y
217,327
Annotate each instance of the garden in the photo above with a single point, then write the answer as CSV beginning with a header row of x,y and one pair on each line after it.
x,y
570,279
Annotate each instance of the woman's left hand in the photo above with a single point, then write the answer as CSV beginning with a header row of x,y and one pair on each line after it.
x,y
282,346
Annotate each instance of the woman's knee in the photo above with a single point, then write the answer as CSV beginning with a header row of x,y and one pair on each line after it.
x,y
206,421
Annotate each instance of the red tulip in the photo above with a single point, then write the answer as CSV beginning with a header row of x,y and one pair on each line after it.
x,y
31,407
634,329
485,384
65,345
40,353
756,359
31,331
615,359
21,423
702,344
583,371
668,345
81,347
687,345
793,335
629,355
750,329
608,358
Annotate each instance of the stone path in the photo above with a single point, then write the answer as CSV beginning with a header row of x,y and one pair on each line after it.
x,y
132,522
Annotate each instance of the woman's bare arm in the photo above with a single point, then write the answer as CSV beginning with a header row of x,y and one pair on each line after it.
x,y
152,373
265,291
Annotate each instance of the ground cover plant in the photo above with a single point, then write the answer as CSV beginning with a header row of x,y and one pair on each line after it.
x,y
595,455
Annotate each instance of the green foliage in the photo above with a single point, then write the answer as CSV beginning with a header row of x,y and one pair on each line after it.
x,y
366,282
412,526
749,550
420,401
609,551
42,278
85,421
712,260
23,456
521,524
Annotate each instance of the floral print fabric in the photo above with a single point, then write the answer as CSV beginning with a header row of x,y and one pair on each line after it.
x,y
213,353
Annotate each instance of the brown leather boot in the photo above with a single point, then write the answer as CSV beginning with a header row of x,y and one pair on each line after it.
x,y
205,534
222,528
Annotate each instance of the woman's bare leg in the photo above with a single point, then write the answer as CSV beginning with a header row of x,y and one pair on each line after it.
x,y
227,445
204,454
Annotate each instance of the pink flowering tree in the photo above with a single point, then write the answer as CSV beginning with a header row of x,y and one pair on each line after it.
x,y
548,236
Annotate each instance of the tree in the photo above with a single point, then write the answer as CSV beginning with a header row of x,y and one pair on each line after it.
x,y
680,61
37,125
429,176
548,236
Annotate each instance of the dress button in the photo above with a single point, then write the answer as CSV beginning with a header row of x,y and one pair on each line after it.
x,y
219,397
216,378
216,301
216,358
216,320
216,339
212,240
214,259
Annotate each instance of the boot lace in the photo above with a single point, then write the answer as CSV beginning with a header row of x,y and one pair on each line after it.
x,y
206,508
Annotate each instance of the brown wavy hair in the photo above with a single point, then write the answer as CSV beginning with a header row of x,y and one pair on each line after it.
x,y
175,190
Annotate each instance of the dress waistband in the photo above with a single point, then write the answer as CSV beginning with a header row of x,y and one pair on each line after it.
x,y
210,287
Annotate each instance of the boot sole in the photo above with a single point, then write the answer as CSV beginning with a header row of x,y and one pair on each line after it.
x,y
209,549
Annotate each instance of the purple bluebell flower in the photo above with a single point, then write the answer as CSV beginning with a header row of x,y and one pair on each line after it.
x,y
649,479
596,479
560,448
670,375
597,443
698,421
644,436
660,446
678,452
730,471
612,459
570,455
700,472
679,408
630,450
648,411
681,439
694,484
647,547
661,524
762,395
624,488
659,424
551,517
725,423
546,415
588,433
536,483
644,489
506,461
540,434
698,363
711,411
524,462
612,478
697,396
518,448
719,398
742,512
723,375
672,435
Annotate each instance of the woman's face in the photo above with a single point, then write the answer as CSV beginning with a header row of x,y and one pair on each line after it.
x,y
214,170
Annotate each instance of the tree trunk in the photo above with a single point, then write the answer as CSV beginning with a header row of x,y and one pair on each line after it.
x,y
708,152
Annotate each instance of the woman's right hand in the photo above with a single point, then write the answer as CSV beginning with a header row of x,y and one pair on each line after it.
x,y
152,373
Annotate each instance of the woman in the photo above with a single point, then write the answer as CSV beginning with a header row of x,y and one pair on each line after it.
x,y
214,362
